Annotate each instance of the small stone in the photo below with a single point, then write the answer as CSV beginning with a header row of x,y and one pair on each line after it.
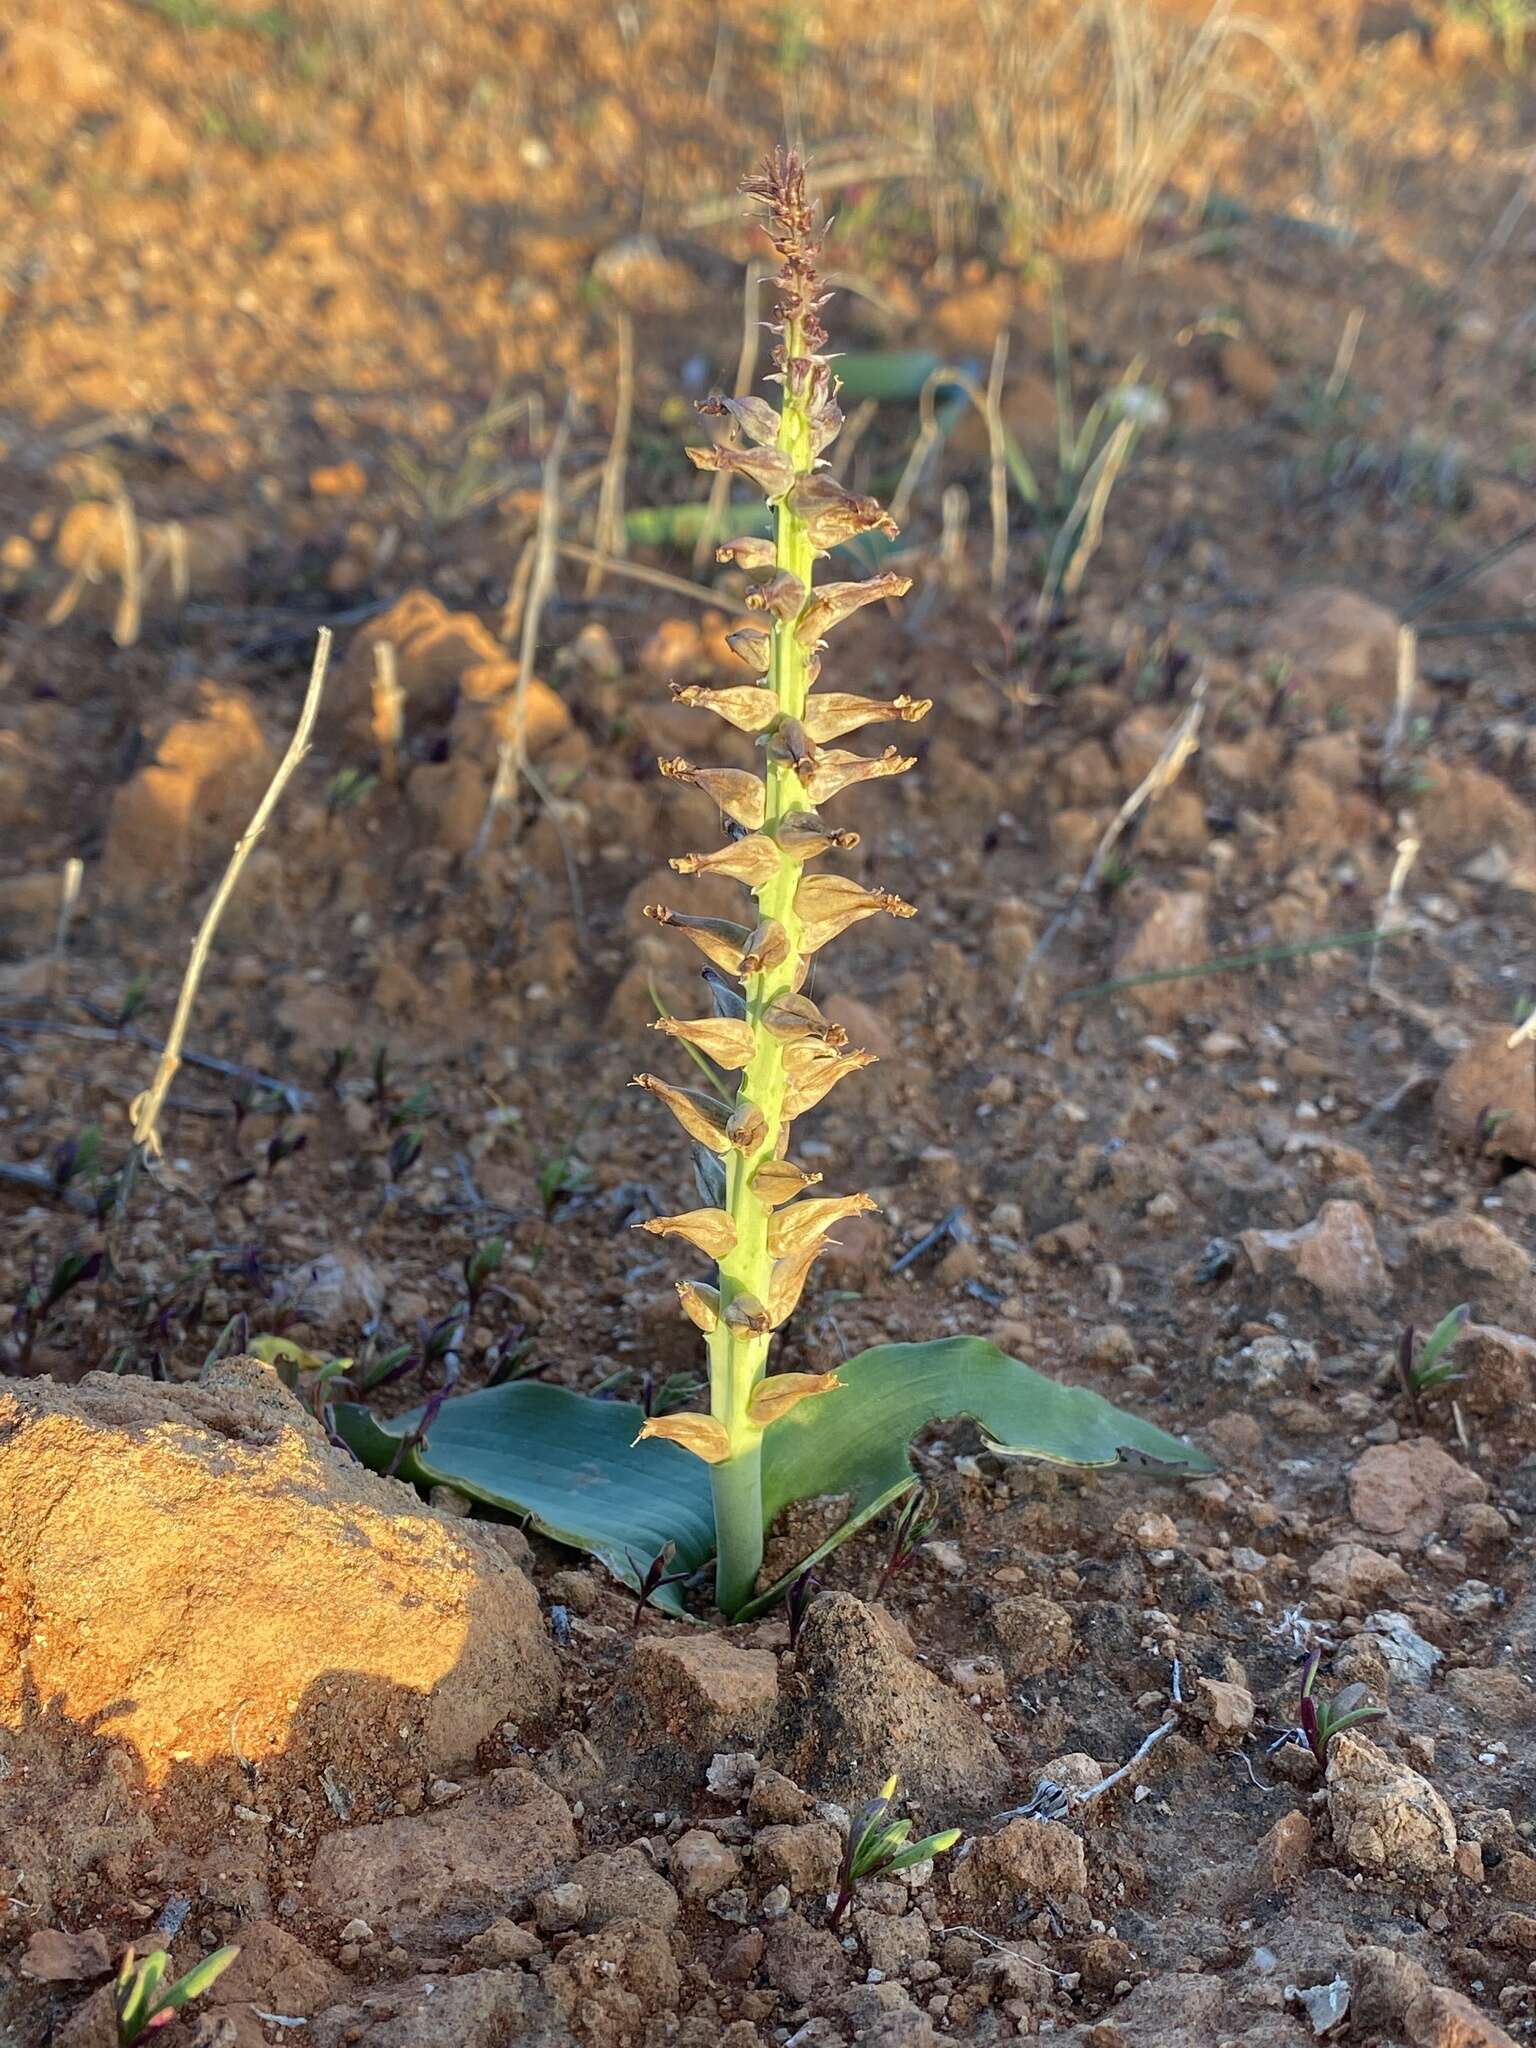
x,y
702,1866
1405,1491
1334,1258
1387,1821
1358,1575
804,1858
1223,1709
1034,1633
1028,1860
1284,1855
559,1909
1409,1659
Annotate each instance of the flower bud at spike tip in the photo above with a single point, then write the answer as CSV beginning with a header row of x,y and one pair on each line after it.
x,y
785,1390
700,1434
787,1054
711,1230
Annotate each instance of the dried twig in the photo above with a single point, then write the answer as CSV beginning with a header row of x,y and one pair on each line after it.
x,y
1343,361
608,531
641,572
746,374
999,461
512,755
388,709
1051,1801
69,896
1407,684
1180,744
145,1109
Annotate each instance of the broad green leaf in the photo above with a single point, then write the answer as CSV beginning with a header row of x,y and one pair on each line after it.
x,y
888,375
567,1463
571,1466
200,1978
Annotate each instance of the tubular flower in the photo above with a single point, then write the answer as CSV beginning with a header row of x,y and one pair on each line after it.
x,y
763,1237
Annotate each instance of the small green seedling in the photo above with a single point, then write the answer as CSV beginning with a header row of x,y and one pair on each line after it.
x,y
1319,1721
1423,1368
912,1526
143,2007
878,1846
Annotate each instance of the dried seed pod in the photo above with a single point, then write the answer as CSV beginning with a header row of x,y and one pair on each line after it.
x,y
778,1181
748,553
700,1434
802,836
727,1041
766,948
783,594
789,1278
708,1177
745,706
740,795
747,1128
774,1397
701,1305
789,1018
753,646
788,743
814,1072
727,1001
701,1116
828,904
832,514
747,1317
716,937
772,472
833,602
754,860
711,1230
826,423
756,418
830,716
803,1223
836,770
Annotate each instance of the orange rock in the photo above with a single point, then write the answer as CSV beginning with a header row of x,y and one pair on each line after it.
x,y
1490,1080
338,480
1341,649
146,147
193,801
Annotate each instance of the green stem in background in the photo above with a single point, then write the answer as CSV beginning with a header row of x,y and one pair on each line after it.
x,y
738,1359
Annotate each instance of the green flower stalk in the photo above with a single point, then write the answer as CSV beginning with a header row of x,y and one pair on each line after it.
x,y
756,1222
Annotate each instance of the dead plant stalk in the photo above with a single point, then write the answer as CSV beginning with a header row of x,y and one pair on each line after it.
x,y
145,1109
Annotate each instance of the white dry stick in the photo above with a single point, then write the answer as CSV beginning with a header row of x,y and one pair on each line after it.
x,y
1524,1034
145,1109
517,597
859,420
999,462
130,606
1407,688
608,532
388,709
69,896
641,572
746,376
1390,918
512,755
1180,744
1084,524
1343,362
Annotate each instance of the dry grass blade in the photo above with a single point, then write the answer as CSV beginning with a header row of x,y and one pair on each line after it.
x,y
658,579
608,532
1180,744
746,376
1083,528
512,755
145,1109
998,465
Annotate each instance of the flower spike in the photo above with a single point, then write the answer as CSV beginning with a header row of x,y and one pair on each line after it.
x,y
755,1221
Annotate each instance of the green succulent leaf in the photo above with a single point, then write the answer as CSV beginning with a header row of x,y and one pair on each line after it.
x,y
570,1465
